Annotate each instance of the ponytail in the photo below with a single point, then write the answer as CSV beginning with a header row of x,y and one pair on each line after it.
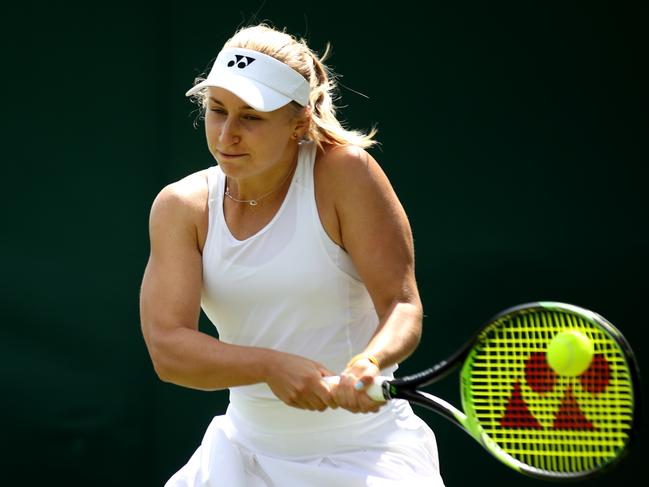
x,y
325,125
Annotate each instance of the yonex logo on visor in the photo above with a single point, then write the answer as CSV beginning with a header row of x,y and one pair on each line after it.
x,y
241,61
263,82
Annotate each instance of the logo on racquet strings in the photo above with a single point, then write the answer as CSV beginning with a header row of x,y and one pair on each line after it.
x,y
541,379
240,61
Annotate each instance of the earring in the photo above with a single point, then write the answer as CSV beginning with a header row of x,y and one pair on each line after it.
x,y
295,135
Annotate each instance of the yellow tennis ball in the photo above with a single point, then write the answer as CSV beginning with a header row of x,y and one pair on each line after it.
x,y
570,353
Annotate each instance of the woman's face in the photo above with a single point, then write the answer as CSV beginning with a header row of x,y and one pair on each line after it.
x,y
244,141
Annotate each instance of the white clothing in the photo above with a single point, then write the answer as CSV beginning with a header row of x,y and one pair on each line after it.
x,y
392,448
289,287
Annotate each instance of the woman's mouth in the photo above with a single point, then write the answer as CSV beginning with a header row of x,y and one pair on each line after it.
x,y
228,155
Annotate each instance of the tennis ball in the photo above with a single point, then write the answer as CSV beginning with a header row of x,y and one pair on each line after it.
x,y
570,353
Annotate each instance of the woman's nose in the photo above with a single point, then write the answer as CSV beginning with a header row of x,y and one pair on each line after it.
x,y
230,132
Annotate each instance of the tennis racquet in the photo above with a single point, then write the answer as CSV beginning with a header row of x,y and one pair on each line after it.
x,y
539,422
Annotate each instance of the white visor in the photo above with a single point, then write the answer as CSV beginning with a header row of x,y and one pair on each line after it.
x,y
262,81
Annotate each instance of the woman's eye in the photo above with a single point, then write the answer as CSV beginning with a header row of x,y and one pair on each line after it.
x,y
251,117
217,110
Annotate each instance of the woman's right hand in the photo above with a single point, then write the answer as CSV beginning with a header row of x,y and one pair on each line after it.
x,y
297,381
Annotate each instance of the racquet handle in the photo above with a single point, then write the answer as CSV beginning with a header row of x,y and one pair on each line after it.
x,y
375,391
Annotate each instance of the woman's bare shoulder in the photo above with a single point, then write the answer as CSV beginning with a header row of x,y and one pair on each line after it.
x,y
348,167
184,198
342,156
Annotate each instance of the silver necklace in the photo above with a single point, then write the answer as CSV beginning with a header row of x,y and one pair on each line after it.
x,y
255,202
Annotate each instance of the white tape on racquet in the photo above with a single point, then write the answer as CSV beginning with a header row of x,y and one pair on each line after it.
x,y
375,391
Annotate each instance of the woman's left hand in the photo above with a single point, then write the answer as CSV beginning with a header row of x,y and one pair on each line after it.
x,y
350,392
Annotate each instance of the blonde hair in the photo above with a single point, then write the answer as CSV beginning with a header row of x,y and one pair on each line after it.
x,y
324,128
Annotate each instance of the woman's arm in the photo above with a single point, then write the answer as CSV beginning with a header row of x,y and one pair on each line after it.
x,y
170,308
374,230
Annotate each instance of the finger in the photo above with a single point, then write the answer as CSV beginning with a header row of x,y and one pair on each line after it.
x,y
347,386
367,404
364,383
326,394
316,404
307,399
330,400
338,390
364,401
325,371
349,393
320,397
304,404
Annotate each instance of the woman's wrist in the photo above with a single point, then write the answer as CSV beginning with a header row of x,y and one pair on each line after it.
x,y
264,359
363,356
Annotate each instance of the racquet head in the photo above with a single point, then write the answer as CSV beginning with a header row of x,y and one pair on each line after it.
x,y
541,422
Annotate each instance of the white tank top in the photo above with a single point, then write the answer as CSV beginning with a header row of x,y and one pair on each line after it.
x,y
288,287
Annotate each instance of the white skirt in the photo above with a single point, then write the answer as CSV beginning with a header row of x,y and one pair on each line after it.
x,y
279,446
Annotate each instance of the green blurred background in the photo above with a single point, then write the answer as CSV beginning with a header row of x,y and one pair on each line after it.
x,y
514,133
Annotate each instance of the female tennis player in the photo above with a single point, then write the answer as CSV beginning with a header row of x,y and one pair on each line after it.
x,y
298,250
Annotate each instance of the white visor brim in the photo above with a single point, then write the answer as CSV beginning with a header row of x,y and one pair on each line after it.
x,y
261,81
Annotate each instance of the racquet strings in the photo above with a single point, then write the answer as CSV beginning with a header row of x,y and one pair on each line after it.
x,y
547,421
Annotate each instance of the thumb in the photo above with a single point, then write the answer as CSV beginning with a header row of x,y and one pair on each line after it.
x,y
364,382
324,371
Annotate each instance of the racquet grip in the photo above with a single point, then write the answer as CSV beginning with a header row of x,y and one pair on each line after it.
x,y
375,390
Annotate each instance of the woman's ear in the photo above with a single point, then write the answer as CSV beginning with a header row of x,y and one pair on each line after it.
x,y
302,122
